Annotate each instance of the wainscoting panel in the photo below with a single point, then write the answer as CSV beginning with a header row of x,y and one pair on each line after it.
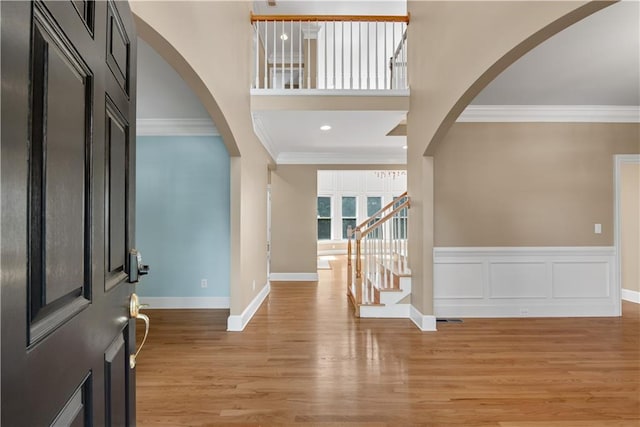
x,y
463,279
517,279
525,282
581,279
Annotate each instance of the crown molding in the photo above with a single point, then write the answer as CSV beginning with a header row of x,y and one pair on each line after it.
x,y
175,127
551,113
296,158
263,136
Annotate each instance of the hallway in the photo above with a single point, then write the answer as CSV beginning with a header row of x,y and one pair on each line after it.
x,y
304,359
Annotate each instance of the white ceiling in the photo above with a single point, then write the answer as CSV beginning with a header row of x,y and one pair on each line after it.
x,y
352,132
594,62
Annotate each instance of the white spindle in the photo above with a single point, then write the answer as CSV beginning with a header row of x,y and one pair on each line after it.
x,y
394,72
368,37
282,53
274,62
351,55
333,80
368,264
257,65
266,59
359,55
291,55
344,48
377,65
326,54
300,58
384,55
308,57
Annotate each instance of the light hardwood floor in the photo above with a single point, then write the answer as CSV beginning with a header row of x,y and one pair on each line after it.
x,y
305,360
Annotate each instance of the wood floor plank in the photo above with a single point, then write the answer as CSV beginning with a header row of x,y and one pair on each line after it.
x,y
305,360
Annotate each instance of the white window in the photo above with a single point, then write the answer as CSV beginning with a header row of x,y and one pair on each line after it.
x,y
349,217
324,218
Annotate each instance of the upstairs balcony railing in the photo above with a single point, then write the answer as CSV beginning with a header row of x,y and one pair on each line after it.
x,y
330,52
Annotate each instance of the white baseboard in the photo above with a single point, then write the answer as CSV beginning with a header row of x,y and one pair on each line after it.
x,y
185,302
237,323
293,277
632,296
423,322
525,282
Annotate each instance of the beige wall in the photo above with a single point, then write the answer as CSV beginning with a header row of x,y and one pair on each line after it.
x,y
294,245
630,225
462,47
293,219
528,184
192,37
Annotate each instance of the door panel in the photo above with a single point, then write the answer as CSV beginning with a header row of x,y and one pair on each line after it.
x,y
62,107
77,411
116,188
115,382
68,152
118,55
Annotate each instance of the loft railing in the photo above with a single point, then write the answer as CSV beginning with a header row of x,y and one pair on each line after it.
x,y
330,52
398,65
376,249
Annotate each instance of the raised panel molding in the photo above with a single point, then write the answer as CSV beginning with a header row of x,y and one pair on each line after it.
x,y
517,279
525,282
458,280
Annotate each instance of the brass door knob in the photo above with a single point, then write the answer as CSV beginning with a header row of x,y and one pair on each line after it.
x,y
134,312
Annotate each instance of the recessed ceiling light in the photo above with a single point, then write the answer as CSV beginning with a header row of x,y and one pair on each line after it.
x,y
404,147
325,127
284,36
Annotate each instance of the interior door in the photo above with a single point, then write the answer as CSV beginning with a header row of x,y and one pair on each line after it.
x,y
67,199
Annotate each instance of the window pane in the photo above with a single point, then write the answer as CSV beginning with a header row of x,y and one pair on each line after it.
x,y
324,229
348,207
400,225
324,207
346,223
374,204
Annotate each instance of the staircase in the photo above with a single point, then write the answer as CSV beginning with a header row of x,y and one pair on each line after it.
x,y
378,276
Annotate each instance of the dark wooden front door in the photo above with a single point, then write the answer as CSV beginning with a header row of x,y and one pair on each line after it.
x,y
67,170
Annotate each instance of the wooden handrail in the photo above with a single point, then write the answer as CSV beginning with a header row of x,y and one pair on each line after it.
x,y
338,18
406,203
387,206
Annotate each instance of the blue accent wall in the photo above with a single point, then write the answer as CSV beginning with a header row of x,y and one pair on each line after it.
x,y
182,215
